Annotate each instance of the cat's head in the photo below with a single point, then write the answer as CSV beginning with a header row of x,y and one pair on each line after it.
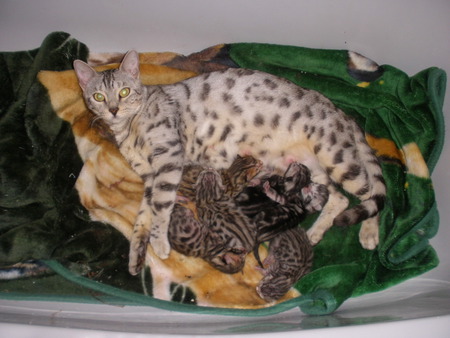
x,y
112,95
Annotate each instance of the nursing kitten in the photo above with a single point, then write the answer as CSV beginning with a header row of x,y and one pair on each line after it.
x,y
281,202
206,223
212,118
220,234
290,258
234,178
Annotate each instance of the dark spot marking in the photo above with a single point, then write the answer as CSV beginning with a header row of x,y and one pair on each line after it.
x,y
284,103
159,151
211,130
329,170
352,173
237,109
230,83
148,193
270,84
347,145
173,143
332,139
205,91
317,148
380,177
177,153
226,132
199,141
379,201
339,126
187,90
244,72
321,132
243,138
309,112
338,157
166,186
258,120
162,205
167,168
364,190
295,116
275,121
226,97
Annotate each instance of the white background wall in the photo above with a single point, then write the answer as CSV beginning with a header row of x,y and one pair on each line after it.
x,y
409,34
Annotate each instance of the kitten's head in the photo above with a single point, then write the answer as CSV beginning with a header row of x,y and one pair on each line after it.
x,y
274,286
296,177
209,187
314,196
241,172
112,95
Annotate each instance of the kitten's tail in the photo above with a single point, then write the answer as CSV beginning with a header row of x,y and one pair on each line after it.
x,y
373,197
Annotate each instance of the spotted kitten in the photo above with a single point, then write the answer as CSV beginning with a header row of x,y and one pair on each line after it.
x,y
290,258
212,118
234,178
221,234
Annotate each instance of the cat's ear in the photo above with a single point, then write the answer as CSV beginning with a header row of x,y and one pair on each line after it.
x,y
130,64
84,73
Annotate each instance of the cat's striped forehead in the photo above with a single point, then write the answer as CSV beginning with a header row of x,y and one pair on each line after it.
x,y
113,79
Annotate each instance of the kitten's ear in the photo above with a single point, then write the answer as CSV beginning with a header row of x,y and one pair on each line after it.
x,y
84,73
130,64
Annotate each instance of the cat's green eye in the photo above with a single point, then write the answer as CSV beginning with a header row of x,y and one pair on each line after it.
x,y
124,92
99,97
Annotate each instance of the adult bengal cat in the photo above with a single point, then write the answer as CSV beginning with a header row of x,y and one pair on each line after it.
x,y
212,118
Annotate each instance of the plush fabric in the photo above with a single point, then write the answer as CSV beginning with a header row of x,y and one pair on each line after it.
x,y
68,199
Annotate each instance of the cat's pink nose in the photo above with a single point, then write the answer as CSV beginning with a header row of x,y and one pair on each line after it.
x,y
114,110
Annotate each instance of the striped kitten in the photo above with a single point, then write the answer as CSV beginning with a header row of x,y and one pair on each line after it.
x,y
282,202
212,118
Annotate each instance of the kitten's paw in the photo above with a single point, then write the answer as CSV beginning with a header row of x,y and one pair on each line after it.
x,y
160,246
138,251
369,234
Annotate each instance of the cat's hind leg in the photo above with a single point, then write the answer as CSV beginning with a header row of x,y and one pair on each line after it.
x,y
334,206
336,203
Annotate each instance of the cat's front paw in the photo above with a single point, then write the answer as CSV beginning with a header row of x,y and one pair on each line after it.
x,y
160,246
138,251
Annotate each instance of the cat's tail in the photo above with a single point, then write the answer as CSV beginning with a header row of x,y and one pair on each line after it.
x,y
372,194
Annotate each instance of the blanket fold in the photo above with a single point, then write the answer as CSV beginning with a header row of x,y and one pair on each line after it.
x,y
68,199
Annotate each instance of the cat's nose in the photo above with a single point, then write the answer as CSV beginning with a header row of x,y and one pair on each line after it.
x,y
113,110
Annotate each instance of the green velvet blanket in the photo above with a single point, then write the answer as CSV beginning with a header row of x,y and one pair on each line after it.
x,y
50,249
